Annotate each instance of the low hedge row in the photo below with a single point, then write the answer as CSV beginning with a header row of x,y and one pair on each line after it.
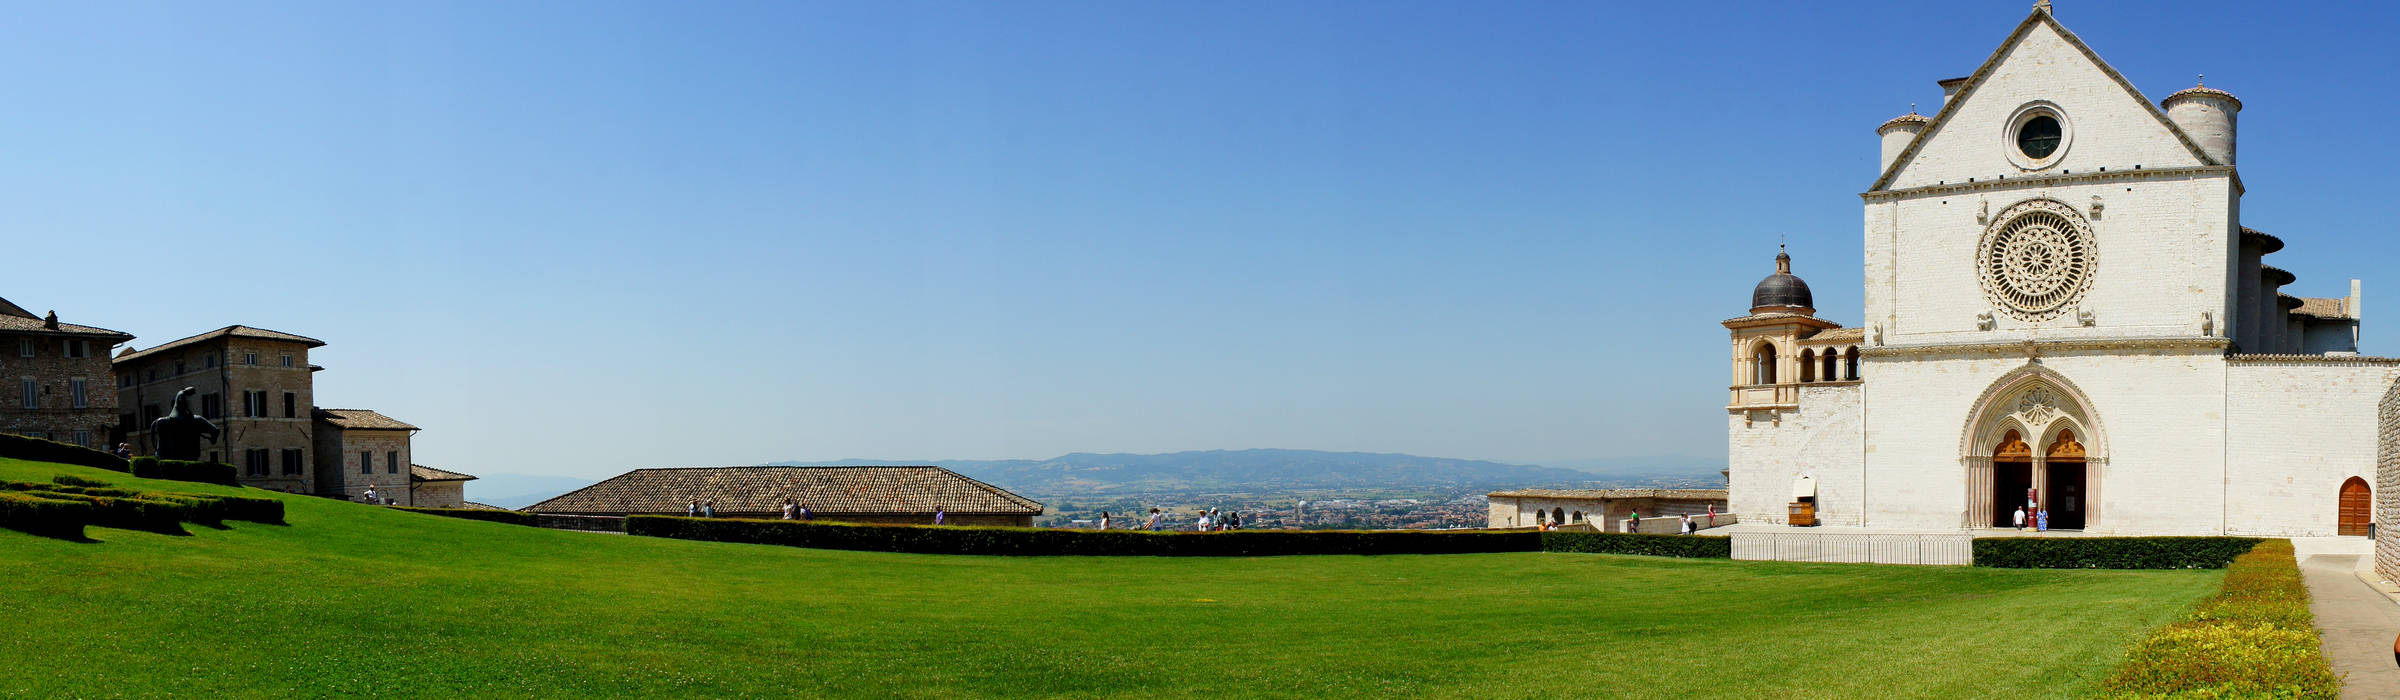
x,y
40,450
159,515
150,511
1686,546
2255,638
2110,552
498,516
41,515
1021,541
179,470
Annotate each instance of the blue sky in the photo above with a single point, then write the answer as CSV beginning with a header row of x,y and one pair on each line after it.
x,y
576,238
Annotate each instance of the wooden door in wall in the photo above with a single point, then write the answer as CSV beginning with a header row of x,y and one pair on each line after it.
x,y
2358,507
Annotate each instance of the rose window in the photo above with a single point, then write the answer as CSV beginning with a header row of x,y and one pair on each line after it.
x,y
2036,259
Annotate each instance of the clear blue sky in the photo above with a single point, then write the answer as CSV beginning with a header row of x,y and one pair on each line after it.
x,y
576,238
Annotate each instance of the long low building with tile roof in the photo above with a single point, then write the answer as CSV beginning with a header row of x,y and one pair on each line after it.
x,y
845,494
1607,509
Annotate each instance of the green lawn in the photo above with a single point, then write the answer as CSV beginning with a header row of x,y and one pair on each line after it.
x,y
356,599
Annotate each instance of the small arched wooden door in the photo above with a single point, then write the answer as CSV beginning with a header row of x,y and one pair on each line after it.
x,y
2358,507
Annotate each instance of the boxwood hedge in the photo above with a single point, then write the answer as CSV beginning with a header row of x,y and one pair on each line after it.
x,y
498,516
40,450
2110,552
1687,546
2255,638
1018,541
42,515
179,470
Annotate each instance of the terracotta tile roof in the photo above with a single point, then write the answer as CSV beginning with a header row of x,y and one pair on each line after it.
x,y
1909,118
2276,275
471,505
2199,90
831,490
1836,335
2322,308
2267,242
419,472
360,419
226,332
1611,494
12,323
8,308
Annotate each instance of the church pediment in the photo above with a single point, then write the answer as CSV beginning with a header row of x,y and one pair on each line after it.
x,y
2043,104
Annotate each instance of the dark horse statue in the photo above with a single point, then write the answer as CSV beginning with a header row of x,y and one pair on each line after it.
x,y
177,436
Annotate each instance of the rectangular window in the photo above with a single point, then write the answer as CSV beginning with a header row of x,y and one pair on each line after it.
x,y
208,360
291,462
254,462
178,368
254,403
151,414
79,392
153,372
250,359
31,397
83,438
24,347
125,422
76,348
287,360
124,380
291,405
212,405
391,462
366,462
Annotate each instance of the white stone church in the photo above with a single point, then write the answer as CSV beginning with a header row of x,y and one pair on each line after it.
x,y
2063,303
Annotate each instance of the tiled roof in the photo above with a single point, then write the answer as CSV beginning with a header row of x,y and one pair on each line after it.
x,y
471,505
831,490
1610,494
2267,242
8,308
2276,275
1909,118
2322,308
1836,335
2199,90
226,332
419,472
12,323
360,419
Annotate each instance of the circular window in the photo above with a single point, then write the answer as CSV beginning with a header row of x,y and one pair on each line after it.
x,y
2036,259
2037,136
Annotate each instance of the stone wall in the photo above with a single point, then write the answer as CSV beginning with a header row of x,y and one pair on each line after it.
x,y
2296,429
224,368
438,494
1767,451
54,376
2387,478
339,462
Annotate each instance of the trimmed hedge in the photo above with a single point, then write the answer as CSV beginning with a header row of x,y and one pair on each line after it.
x,y
72,480
253,509
1686,546
40,450
498,516
41,515
162,516
2110,552
198,508
178,470
2255,638
1022,541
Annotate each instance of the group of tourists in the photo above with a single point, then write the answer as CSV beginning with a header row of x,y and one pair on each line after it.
x,y
696,509
1211,520
2032,513
792,509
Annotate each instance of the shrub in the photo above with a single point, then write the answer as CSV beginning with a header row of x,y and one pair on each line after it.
x,y
49,517
2110,552
2255,638
40,450
72,480
162,516
1687,546
498,516
179,470
255,509
1019,541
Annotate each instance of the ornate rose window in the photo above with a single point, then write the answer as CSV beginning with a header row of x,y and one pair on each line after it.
x,y
2036,259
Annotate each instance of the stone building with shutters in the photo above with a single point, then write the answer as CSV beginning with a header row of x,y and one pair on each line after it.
x,y
900,495
57,379
2066,311
255,384
358,449
436,488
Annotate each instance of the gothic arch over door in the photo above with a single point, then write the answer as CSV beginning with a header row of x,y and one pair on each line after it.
x,y
2357,507
2056,424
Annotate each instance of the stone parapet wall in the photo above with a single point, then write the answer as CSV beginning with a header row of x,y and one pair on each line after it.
x,y
2387,477
1855,548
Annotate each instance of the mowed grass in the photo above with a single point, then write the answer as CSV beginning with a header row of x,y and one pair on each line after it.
x,y
351,599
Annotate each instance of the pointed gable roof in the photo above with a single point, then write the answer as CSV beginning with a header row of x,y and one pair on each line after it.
x,y
2040,17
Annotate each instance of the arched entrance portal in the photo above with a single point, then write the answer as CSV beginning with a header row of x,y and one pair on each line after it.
x,y
2033,442
2358,507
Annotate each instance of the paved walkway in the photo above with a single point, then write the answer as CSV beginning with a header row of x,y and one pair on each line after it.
x,y
2357,623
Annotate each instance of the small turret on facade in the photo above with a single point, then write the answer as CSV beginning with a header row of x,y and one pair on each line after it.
x,y
2207,115
1782,292
1898,134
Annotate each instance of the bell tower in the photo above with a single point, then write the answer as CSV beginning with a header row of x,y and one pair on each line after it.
x,y
1766,344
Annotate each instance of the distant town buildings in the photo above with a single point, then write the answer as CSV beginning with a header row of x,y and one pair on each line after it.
x,y
57,374
844,494
1605,509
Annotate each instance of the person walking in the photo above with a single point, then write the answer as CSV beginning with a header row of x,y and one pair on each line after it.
x,y
805,513
1712,515
2019,518
1156,518
692,509
939,516
1686,528
1104,521
787,509
2044,520
709,509
1637,522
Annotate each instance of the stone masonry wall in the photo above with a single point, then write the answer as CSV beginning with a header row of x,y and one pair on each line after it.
x,y
1823,439
223,367
2387,477
2295,430
53,374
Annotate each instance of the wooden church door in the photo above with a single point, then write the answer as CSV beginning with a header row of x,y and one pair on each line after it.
x,y
2358,506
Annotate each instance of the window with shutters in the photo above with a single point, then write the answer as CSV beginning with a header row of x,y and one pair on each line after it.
x,y
79,392
212,405
250,359
254,461
391,462
291,405
291,462
83,438
24,347
287,359
30,393
366,462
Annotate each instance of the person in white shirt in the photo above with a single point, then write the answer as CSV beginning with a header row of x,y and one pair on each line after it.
x,y
1156,518
787,509
1204,521
1104,520
371,494
2019,518
1687,524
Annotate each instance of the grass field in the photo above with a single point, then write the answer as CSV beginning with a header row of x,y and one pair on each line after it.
x,y
356,599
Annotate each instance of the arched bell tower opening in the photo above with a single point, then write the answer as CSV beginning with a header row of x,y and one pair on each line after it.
x,y
2033,442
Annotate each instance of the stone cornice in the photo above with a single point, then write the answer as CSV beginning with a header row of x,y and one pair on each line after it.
x,y
1769,319
2336,360
2036,348
2029,181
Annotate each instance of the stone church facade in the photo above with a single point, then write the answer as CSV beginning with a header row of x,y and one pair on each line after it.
x,y
2064,309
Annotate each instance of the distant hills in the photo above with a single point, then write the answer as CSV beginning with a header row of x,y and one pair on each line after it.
x,y
1086,474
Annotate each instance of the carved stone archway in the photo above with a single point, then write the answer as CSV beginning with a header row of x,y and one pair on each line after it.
x,y
2044,407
